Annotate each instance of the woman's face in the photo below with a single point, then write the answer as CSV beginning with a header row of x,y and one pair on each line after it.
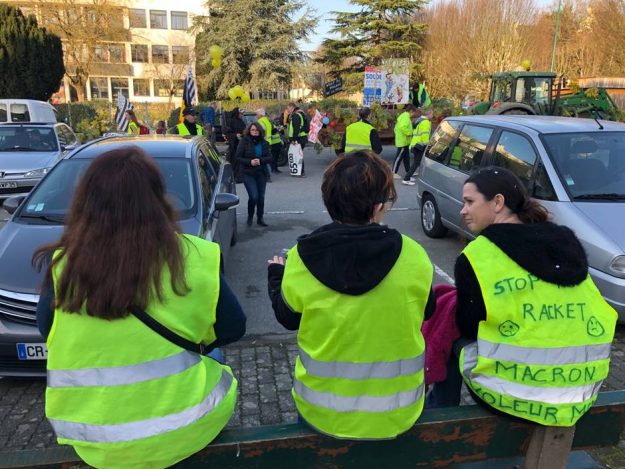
x,y
254,131
477,212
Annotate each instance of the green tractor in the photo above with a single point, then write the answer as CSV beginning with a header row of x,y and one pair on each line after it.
x,y
537,93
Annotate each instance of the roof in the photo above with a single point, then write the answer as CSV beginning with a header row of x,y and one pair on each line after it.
x,y
157,146
523,73
545,124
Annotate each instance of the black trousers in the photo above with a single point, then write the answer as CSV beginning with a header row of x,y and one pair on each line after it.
x,y
276,148
403,154
417,153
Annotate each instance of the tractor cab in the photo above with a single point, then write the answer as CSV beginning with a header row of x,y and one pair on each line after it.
x,y
526,92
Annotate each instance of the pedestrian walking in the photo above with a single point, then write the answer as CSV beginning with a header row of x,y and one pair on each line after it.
x,y
536,331
297,131
208,121
361,135
358,292
188,126
233,129
419,96
252,153
420,140
127,365
403,134
134,126
267,126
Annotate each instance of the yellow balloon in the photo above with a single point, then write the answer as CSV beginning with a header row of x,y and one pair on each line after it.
x,y
215,51
232,94
245,97
216,62
239,91
526,64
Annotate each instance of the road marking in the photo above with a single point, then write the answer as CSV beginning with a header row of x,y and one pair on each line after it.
x,y
444,275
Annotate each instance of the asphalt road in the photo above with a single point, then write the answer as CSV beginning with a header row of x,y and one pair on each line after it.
x,y
294,207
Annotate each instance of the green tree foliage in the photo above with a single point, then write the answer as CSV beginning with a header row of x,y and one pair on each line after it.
x,y
31,59
259,42
379,29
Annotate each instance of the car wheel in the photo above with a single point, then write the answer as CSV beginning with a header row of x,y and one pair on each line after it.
x,y
235,231
431,218
515,112
284,156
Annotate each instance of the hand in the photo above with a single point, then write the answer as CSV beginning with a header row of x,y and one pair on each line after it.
x,y
276,260
255,162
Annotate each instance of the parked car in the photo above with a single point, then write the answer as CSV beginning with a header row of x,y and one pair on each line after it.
x,y
26,110
575,167
199,185
28,151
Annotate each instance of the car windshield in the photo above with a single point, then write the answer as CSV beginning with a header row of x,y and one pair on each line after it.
x,y
51,199
27,138
591,165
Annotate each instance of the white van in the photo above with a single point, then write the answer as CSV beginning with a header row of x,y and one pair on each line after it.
x,y
26,110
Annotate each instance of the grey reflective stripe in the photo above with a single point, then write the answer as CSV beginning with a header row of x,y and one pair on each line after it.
x,y
356,145
121,375
115,433
369,370
338,403
543,356
549,395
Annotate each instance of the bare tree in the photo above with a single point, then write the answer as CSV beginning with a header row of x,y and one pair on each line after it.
x,y
86,27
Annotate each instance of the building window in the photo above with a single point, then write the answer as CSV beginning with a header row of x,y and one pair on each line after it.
x,y
139,52
100,53
180,54
158,19
99,88
138,19
141,87
119,84
160,54
179,20
178,86
117,53
162,88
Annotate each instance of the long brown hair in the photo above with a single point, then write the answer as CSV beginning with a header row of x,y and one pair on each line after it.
x,y
119,235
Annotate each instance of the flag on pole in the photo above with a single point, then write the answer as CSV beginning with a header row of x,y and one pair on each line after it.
x,y
123,105
188,94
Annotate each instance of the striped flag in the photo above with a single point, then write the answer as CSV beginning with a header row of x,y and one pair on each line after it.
x,y
123,105
189,92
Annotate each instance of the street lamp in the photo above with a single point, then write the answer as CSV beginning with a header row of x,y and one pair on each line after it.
x,y
555,36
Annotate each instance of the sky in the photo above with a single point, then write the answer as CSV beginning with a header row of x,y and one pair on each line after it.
x,y
324,7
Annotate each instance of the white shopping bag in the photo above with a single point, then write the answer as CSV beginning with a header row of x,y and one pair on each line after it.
x,y
296,159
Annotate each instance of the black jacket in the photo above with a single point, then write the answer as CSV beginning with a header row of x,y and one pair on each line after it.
x,y
374,138
233,124
551,252
347,259
246,153
297,123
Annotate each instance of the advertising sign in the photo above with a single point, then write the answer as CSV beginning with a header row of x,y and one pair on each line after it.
x,y
388,84
333,87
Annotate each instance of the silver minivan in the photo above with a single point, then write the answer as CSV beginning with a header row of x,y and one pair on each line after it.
x,y
575,167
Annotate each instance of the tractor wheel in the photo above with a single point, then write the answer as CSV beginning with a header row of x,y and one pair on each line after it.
x,y
519,112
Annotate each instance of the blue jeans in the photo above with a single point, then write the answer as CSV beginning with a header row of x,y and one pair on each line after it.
x,y
447,393
255,186
217,354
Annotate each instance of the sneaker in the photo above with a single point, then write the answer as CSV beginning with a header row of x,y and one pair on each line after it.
x,y
413,179
408,183
396,176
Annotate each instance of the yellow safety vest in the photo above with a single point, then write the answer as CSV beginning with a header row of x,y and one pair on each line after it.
x,y
268,128
403,130
357,136
301,133
543,350
122,395
359,373
456,157
133,129
182,129
421,133
420,96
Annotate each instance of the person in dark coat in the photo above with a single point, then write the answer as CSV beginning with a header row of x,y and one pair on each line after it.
x,y
252,153
233,129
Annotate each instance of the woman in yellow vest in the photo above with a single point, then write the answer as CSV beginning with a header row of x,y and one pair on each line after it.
x,y
128,302
358,292
540,331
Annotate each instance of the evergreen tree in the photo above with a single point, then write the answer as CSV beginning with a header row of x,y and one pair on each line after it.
x,y
380,29
31,59
259,42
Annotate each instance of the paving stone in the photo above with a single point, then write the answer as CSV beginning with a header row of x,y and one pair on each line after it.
x,y
270,414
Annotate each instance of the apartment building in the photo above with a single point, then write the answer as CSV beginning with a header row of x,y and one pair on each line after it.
x,y
150,64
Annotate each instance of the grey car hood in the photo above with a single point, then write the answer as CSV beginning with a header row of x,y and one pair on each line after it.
x,y
24,161
18,241
608,217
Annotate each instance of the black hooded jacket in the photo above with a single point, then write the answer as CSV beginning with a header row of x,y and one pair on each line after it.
x,y
345,258
551,252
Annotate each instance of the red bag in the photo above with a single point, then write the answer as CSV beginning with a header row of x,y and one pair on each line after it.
x,y
143,130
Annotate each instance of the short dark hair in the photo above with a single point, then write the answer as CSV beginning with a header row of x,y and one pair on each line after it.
x,y
410,108
261,131
364,113
353,184
494,180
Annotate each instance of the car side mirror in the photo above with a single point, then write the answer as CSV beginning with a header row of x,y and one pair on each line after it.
x,y
12,203
225,201
68,147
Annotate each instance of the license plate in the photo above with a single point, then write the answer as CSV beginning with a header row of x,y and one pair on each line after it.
x,y
8,185
32,351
